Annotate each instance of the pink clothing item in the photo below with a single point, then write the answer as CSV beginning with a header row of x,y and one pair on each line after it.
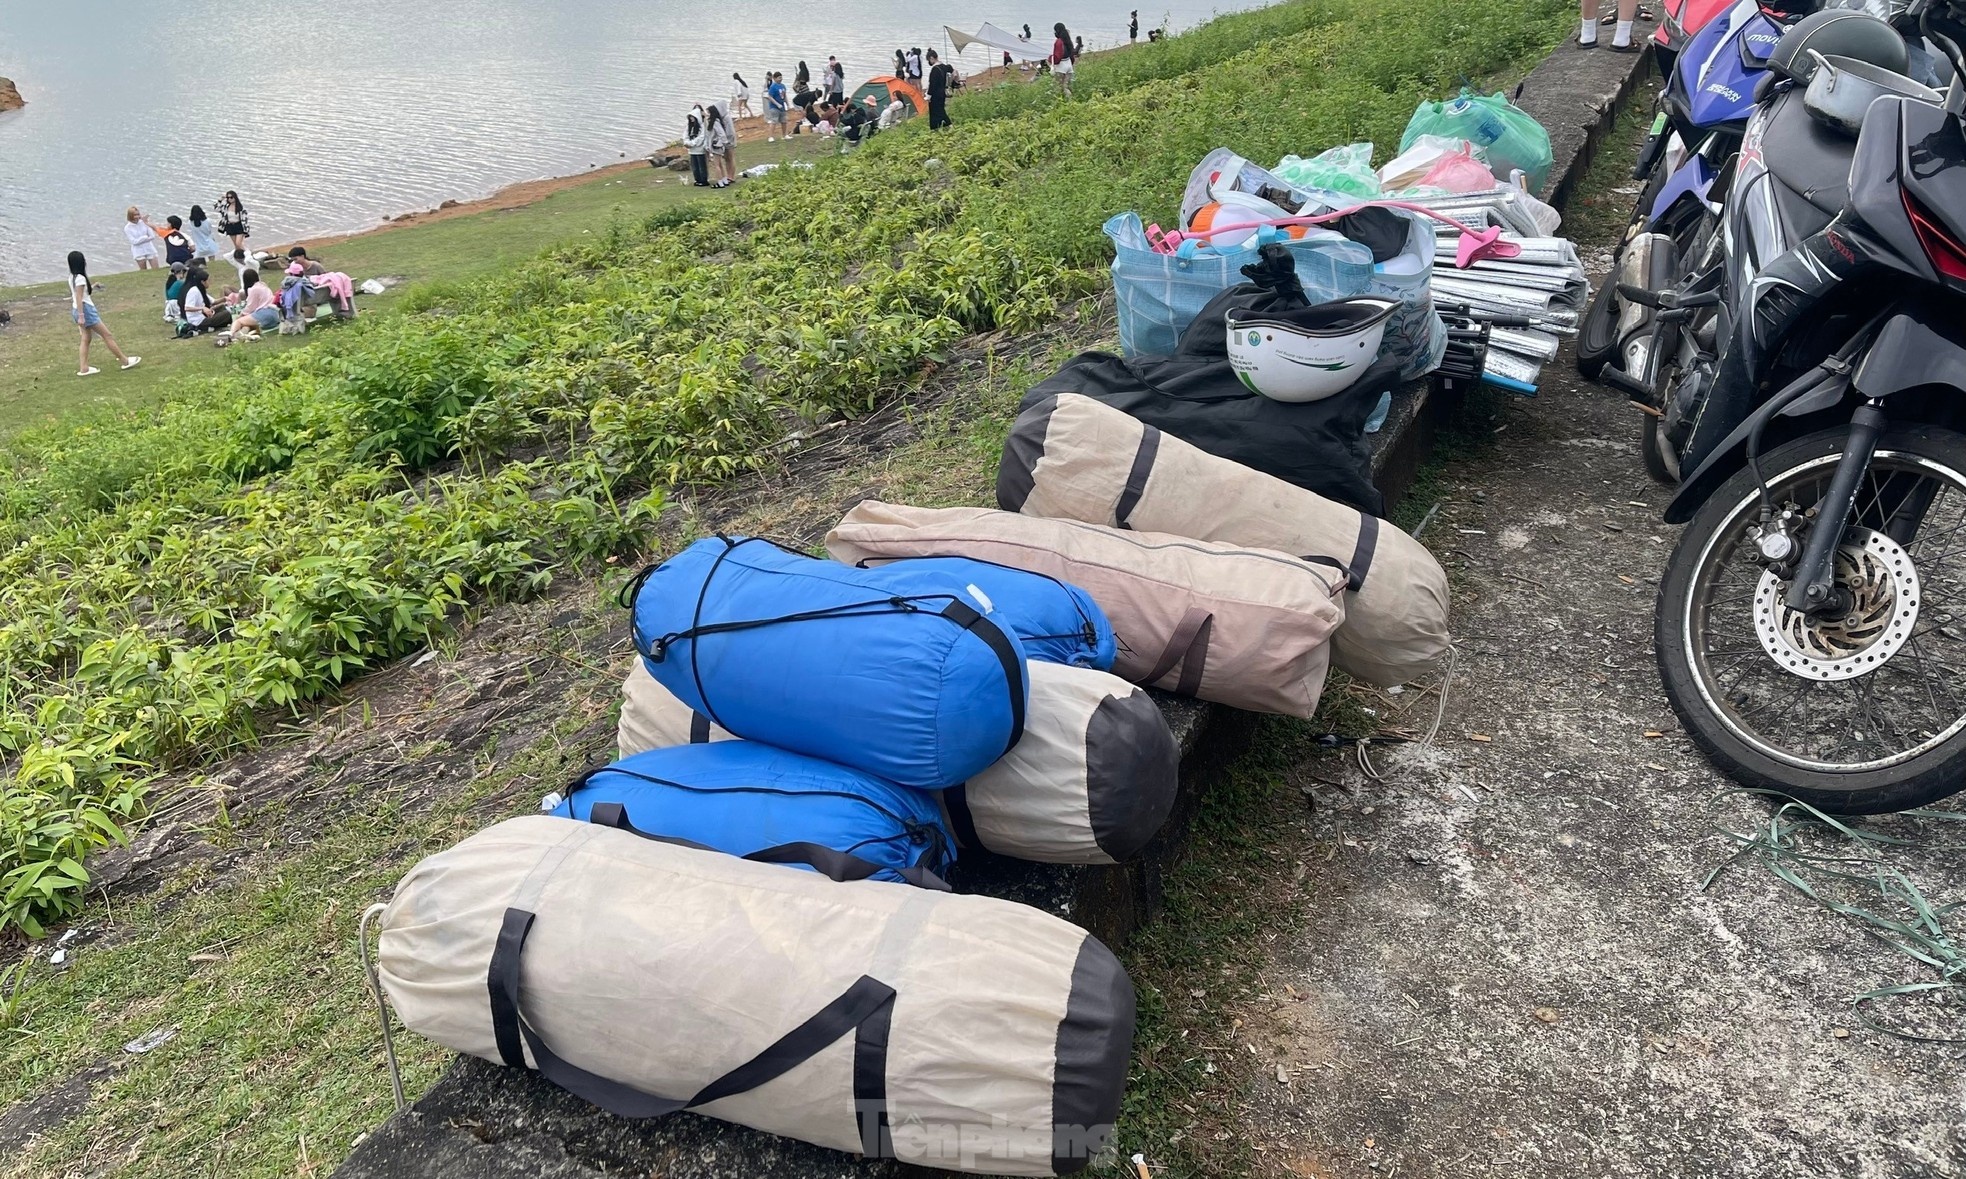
x,y
259,298
337,284
294,269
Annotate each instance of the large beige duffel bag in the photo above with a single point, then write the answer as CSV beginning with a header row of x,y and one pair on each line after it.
x,y
1090,782
1073,458
1241,626
962,1032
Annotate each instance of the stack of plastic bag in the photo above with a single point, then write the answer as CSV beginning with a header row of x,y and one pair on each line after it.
x,y
1160,293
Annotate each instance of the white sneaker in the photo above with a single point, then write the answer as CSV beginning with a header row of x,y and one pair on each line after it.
x,y
132,362
88,372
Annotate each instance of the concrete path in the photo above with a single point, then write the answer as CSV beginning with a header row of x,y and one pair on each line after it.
x,y
1510,969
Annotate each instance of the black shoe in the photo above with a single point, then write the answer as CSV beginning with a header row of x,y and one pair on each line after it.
x,y
1634,47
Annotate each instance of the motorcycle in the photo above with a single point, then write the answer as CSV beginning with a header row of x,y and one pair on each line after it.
x,y
1811,622
1678,21
1704,110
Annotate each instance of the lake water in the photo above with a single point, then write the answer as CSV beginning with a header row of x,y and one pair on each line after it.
x,y
327,117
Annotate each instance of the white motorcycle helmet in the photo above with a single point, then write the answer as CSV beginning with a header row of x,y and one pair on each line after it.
x,y
1308,354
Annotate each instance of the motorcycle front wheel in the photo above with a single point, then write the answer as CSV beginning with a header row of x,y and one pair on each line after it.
x,y
1858,715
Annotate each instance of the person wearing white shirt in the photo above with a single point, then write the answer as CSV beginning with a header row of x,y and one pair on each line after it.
x,y
142,238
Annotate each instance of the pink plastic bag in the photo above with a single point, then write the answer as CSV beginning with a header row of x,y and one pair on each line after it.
x,y
1459,171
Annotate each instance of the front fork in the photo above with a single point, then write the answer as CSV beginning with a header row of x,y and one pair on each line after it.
x,y
1813,590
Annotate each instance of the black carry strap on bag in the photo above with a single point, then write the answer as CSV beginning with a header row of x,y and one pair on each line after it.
x,y
829,862
865,1009
1187,646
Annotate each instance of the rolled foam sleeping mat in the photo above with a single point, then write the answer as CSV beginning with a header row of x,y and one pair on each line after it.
x,y
1073,458
744,799
1242,626
962,1032
1091,781
922,684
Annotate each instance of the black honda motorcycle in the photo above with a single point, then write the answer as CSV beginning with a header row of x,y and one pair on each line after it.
x,y
1811,625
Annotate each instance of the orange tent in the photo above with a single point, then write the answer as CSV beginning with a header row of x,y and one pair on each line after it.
x,y
884,90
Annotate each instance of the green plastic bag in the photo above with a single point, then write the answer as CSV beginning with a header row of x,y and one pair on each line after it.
x,y
1509,136
1346,169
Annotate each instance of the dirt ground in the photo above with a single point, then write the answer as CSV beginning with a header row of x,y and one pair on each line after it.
x,y
1510,967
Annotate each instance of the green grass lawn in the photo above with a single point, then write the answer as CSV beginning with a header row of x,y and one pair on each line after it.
x,y
38,349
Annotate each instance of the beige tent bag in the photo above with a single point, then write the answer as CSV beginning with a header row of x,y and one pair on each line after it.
x,y
1090,782
1073,458
962,1032
1242,626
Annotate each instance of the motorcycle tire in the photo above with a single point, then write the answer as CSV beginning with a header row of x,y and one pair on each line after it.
x,y
1597,335
1652,448
1922,776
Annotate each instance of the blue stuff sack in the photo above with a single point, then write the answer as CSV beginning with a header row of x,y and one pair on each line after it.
x,y
751,800
915,681
1057,622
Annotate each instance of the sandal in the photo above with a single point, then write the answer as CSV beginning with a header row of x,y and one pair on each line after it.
x,y
88,372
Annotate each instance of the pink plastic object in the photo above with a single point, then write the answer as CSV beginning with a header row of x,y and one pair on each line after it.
x,y
1473,247
1458,171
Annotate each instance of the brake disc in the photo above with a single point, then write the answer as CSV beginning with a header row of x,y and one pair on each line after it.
x,y
1883,586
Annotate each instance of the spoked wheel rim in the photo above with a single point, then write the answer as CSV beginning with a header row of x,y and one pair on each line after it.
x,y
1874,689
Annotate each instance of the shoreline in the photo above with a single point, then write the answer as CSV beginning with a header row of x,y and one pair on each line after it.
x,y
522,193
519,194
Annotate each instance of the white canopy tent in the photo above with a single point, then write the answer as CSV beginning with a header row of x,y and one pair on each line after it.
x,y
1017,47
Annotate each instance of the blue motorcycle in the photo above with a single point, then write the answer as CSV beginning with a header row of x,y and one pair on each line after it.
x,y
1708,98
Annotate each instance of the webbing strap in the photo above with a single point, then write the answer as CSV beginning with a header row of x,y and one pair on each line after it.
x,y
1136,476
699,728
1187,646
1368,543
865,1009
829,862
965,616
955,810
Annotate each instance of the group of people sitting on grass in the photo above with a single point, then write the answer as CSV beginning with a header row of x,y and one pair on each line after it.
x,y
239,313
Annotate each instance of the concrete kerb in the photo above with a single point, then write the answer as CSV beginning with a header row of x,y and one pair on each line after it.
x,y
487,1122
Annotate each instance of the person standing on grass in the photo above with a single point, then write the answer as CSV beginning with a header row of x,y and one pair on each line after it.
x,y
941,79
82,306
203,234
723,145
740,96
177,247
696,141
1621,36
143,240
1132,26
232,219
1064,53
775,107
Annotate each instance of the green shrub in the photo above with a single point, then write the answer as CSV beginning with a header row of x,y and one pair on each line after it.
x,y
168,580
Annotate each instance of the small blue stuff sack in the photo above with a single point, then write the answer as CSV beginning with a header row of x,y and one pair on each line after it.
x,y
921,683
744,799
1056,621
